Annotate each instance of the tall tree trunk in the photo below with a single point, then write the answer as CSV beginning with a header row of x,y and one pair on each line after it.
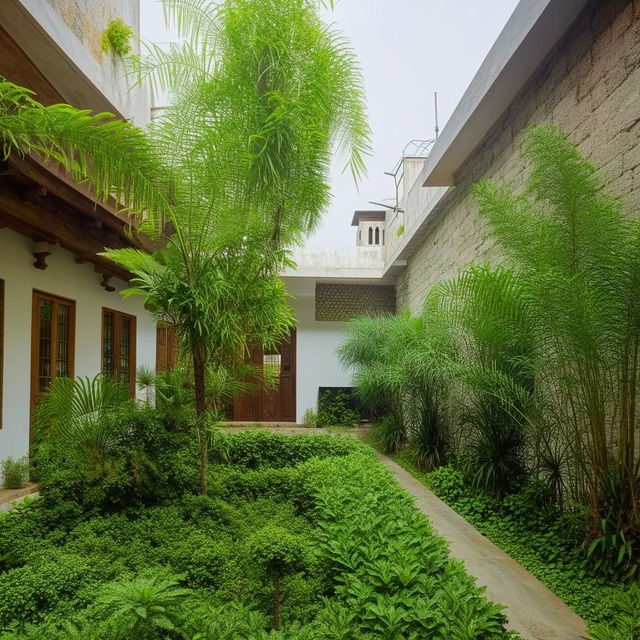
x,y
277,599
201,406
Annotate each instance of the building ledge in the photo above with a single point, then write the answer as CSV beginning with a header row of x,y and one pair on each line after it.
x,y
529,35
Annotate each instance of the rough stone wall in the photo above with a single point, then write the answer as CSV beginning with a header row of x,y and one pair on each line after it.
x,y
89,18
589,87
338,302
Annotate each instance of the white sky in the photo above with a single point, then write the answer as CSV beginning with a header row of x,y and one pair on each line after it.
x,y
408,49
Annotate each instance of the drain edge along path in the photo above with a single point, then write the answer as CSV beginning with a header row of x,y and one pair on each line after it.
x,y
533,610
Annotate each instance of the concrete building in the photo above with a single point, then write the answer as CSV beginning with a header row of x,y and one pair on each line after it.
x,y
573,63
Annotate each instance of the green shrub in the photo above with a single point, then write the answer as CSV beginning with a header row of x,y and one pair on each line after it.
x,y
261,448
117,37
69,573
226,622
280,553
15,473
310,418
335,409
53,580
149,460
390,434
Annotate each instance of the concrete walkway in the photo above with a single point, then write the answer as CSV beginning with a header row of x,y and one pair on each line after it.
x,y
533,611
11,497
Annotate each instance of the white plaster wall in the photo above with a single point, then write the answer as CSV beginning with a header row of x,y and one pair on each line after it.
x,y
316,360
69,280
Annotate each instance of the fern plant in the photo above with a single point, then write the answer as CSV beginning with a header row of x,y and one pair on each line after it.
x,y
142,608
68,418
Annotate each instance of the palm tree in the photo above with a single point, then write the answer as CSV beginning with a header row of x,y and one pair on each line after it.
x,y
262,93
399,373
576,259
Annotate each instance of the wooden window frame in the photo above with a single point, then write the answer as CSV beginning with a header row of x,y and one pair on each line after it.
x,y
35,339
118,315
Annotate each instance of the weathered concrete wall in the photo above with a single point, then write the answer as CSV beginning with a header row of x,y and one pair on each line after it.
x,y
589,87
88,19
77,27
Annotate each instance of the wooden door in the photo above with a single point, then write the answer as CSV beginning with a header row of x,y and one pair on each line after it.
x,y
166,348
272,405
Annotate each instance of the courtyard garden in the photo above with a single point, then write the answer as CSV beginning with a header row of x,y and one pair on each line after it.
x,y
512,393
297,537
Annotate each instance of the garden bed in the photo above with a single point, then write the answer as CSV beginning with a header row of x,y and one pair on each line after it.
x,y
316,517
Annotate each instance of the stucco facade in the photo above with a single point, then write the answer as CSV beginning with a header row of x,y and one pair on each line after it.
x,y
65,279
52,228
589,87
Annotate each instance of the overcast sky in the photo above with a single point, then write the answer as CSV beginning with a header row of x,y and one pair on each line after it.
x,y
408,49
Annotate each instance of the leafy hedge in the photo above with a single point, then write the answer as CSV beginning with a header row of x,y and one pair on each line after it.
x,y
391,574
256,448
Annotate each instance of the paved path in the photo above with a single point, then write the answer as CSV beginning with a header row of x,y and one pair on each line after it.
x,y
533,611
10,497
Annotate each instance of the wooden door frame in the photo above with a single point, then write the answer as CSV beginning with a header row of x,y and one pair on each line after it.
x,y
258,397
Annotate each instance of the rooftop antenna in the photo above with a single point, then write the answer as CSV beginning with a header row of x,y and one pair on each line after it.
x,y
435,101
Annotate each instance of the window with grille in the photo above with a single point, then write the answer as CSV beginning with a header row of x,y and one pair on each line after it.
x,y
119,347
53,337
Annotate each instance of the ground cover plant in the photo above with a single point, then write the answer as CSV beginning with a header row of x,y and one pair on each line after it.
x,y
307,533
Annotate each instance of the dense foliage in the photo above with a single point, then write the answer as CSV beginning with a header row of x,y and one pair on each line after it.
x,y
111,554
528,370
261,93
336,408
